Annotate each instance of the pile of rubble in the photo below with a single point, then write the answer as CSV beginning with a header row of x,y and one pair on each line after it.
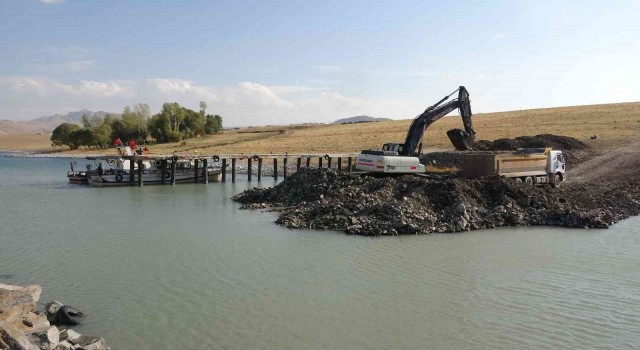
x,y
24,328
364,205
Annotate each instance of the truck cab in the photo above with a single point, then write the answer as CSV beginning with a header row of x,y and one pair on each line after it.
x,y
557,166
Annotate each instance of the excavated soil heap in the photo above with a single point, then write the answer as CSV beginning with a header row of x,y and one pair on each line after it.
x,y
575,150
364,205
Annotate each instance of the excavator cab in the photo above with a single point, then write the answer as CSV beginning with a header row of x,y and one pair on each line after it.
x,y
392,149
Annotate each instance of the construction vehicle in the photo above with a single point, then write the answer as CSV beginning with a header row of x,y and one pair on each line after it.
x,y
534,166
403,158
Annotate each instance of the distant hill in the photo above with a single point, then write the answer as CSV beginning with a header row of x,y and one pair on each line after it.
x,y
45,124
359,119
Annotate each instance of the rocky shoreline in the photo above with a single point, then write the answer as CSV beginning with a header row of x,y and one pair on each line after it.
x,y
23,327
364,205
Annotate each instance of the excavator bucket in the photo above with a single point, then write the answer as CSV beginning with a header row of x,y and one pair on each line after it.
x,y
461,140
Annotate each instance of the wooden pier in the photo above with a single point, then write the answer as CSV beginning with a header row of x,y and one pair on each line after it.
x,y
230,163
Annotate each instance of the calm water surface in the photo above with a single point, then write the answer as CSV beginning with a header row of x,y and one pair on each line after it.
x,y
183,268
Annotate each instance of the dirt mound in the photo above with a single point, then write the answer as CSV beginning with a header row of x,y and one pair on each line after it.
x,y
355,204
576,150
443,159
564,143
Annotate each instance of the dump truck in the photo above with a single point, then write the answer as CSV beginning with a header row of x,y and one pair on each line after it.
x,y
534,166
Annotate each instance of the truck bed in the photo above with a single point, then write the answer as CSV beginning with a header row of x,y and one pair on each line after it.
x,y
508,164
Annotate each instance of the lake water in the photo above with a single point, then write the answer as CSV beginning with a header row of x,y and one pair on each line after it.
x,y
183,268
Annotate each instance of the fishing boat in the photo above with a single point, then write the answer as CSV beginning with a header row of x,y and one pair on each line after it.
x,y
118,172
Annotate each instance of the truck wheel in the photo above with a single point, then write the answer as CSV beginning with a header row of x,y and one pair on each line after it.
x,y
528,180
557,179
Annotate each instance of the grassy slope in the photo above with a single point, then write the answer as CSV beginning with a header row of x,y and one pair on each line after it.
x,y
613,123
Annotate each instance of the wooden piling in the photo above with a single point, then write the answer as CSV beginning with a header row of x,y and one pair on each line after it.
x,y
249,169
163,171
140,169
195,170
259,169
132,171
233,170
329,162
308,162
224,170
275,168
349,164
298,163
339,164
205,166
284,167
173,170
320,162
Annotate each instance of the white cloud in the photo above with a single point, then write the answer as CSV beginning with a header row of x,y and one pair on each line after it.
x,y
171,85
244,103
47,87
51,1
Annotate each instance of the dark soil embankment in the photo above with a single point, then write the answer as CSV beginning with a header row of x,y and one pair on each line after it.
x,y
575,150
326,200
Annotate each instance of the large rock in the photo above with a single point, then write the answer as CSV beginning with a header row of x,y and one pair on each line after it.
x,y
52,307
17,301
86,342
45,338
12,339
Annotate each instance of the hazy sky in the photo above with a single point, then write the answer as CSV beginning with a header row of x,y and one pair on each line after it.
x,y
266,62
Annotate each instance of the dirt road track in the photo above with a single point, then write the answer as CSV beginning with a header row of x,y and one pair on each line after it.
x,y
619,164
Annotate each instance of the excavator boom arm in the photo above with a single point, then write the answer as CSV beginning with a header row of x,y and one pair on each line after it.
x,y
461,139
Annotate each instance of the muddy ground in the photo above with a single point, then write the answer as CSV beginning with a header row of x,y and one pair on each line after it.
x,y
355,204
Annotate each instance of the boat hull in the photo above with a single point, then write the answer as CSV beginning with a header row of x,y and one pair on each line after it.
x,y
152,178
78,180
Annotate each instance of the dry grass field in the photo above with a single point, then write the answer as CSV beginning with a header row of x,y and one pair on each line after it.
x,y
24,142
613,123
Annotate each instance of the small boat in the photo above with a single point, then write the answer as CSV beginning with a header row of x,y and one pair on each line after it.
x,y
79,177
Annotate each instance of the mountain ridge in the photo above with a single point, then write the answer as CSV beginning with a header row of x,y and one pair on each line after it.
x,y
46,124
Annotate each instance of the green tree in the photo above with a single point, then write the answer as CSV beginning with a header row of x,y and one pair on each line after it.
x,y
213,124
203,109
159,127
134,123
101,136
174,113
81,137
109,119
61,135
86,123
192,124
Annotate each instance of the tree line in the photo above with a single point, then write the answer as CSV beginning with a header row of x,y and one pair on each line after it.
x,y
172,124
